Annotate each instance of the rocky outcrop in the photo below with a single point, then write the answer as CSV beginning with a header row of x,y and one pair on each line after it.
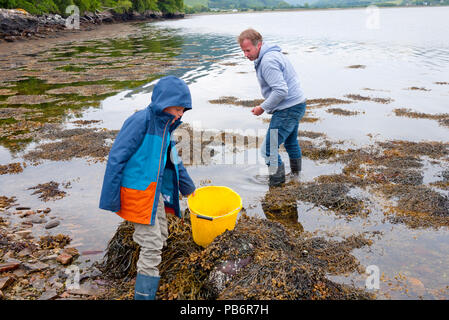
x,y
17,24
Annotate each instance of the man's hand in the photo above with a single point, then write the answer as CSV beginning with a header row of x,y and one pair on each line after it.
x,y
257,111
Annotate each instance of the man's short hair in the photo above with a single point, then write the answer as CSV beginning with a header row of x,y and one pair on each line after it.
x,y
252,35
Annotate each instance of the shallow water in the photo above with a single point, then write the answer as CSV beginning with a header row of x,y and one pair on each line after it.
x,y
408,50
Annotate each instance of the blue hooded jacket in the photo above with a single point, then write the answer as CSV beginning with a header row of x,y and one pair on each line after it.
x,y
143,161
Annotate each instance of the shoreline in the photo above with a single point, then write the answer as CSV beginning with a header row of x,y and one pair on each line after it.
x,y
17,25
305,10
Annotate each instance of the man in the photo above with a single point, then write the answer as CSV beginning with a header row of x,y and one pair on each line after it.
x,y
284,99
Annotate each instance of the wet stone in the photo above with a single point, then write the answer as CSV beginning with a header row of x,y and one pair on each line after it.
x,y
5,282
36,266
38,220
64,258
49,295
52,224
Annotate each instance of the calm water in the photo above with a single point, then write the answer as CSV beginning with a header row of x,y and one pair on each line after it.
x,y
407,48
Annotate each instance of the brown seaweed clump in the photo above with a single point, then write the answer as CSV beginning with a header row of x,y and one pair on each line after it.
x,y
49,191
417,206
122,254
444,183
53,242
328,195
11,168
325,102
393,172
364,98
313,152
259,259
75,143
443,118
237,102
342,112
356,66
6,203
432,149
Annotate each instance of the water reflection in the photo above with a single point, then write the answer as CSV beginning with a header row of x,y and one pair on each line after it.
x,y
283,210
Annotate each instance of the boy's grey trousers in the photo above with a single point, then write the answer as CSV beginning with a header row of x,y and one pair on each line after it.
x,y
151,240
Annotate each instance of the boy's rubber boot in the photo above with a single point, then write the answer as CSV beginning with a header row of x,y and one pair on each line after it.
x,y
146,287
295,166
277,178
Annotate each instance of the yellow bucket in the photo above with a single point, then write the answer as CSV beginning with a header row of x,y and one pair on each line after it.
x,y
213,210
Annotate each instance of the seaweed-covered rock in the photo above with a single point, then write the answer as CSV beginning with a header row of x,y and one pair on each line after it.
x,y
259,259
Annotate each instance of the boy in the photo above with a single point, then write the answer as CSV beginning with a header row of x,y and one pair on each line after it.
x,y
143,175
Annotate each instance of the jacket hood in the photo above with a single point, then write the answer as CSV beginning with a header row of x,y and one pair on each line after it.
x,y
263,50
170,91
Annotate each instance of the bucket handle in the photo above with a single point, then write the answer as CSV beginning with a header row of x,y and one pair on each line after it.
x,y
204,217
212,218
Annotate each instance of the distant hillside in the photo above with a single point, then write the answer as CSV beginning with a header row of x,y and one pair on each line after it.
x,y
251,4
359,3
192,3
236,4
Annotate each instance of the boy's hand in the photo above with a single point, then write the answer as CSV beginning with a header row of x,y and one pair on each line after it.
x,y
257,111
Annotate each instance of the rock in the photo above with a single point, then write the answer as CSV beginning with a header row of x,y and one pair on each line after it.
x,y
23,208
65,295
19,272
49,295
71,251
64,258
57,285
38,220
416,285
91,274
52,224
27,213
222,274
38,284
26,224
9,254
88,289
47,210
50,257
5,282
9,266
24,233
36,266
25,252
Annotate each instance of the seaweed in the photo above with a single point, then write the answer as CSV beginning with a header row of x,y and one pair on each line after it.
x,y
259,259
49,191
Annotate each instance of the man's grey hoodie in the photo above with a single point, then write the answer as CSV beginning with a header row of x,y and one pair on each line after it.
x,y
278,80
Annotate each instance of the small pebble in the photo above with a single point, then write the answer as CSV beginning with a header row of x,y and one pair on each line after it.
x,y
52,224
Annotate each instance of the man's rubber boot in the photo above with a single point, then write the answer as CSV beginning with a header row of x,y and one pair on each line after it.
x,y
277,178
146,287
295,166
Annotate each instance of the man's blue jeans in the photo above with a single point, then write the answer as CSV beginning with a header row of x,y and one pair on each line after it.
x,y
283,129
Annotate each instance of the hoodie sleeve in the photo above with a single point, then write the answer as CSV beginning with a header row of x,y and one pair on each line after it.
x,y
272,73
186,185
125,145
